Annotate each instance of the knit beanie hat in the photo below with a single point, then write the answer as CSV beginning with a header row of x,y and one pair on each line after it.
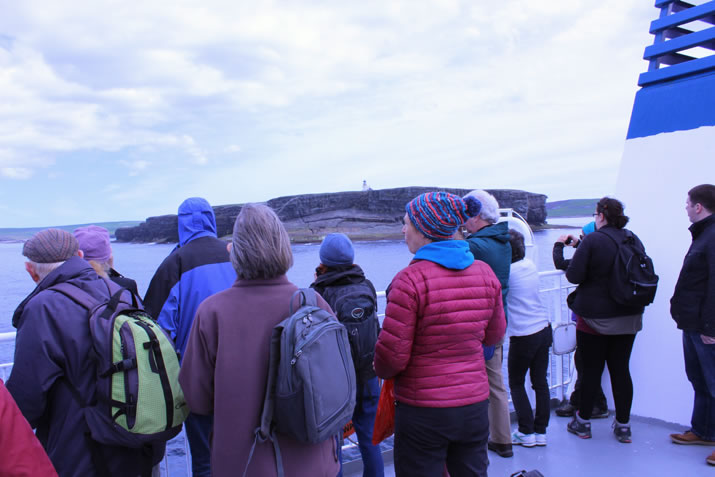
x,y
93,240
50,246
438,215
336,250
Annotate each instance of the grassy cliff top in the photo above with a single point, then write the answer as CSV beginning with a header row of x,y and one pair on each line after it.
x,y
24,233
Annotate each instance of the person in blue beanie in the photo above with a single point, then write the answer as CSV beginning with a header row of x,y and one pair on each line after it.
x,y
343,285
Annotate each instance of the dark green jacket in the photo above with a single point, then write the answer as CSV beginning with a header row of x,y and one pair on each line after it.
x,y
491,245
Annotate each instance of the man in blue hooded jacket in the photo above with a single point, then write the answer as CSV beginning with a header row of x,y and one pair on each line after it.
x,y
197,268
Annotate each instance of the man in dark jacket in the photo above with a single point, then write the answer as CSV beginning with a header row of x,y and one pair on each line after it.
x,y
344,286
693,309
53,367
489,242
197,268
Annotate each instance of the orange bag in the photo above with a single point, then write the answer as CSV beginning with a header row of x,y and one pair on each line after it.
x,y
348,429
385,418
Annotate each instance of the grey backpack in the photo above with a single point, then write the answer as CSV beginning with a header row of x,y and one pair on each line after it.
x,y
310,391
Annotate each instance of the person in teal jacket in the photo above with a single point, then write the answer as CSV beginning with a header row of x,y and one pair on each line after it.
x,y
489,242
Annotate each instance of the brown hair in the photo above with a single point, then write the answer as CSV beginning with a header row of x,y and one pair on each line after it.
x,y
612,210
704,194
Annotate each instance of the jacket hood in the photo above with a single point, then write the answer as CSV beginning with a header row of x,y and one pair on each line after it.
x,y
196,219
452,254
340,276
498,231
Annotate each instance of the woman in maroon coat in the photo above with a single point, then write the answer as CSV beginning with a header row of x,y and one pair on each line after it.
x,y
225,367
441,308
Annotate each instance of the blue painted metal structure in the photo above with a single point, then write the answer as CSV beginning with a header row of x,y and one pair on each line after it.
x,y
678,89
674,33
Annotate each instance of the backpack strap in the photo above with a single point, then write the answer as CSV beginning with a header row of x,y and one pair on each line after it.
x,y
264,432
306,296
76,294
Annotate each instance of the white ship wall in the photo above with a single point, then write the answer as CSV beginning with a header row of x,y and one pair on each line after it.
x,y
655,176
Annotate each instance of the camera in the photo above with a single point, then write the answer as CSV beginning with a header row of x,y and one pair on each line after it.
x,y
569,240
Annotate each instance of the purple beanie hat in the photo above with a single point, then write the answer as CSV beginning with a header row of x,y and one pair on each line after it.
x,y
438,215
94,242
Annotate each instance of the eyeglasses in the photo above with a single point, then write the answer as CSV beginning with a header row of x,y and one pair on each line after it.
x,y
595,214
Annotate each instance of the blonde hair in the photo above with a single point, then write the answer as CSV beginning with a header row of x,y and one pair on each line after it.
x,y
260,244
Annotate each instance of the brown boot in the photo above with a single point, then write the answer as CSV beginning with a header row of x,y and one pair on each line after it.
x,y
688,438
711,459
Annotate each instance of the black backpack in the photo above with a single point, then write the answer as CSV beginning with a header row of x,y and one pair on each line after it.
x,y
355,305
633,280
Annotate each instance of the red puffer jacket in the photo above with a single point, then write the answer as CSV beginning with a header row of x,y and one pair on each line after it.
x,y
21,454
435,323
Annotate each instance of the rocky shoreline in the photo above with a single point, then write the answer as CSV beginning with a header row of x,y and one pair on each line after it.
x,y
362,215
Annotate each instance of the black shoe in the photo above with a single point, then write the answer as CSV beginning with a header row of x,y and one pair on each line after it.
x,y
565,409
502,450
581,429
598,413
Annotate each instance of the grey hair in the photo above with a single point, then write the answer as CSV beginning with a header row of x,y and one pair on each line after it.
x,y
261,246
490,206
44,269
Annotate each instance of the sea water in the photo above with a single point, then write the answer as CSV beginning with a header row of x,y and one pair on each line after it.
x,y
380,260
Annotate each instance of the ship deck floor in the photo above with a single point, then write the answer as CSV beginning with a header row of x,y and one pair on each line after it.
x,y
651,453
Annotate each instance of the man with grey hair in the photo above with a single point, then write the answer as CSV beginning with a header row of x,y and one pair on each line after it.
x,y
54,373
197,268
489,242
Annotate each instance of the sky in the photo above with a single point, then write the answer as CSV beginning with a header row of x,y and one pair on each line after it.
x,y
115,110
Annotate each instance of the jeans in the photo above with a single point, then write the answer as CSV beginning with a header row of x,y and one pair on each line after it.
x,y
599,350
700,368
198,429
530,353
368,394
428,437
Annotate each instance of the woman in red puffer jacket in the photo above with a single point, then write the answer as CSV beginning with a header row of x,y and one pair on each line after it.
x,y
441,308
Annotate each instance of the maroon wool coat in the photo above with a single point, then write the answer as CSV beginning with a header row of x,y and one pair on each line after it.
x,y
435,323
224,373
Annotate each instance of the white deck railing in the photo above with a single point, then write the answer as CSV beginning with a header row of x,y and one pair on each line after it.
x,y
554,288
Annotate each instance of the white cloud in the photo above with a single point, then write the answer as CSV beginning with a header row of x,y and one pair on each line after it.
x,y
318,95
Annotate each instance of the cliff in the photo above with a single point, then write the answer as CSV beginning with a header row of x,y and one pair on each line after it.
x,y
362,215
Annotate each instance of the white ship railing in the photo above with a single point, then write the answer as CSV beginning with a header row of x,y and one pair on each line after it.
x,y
554,289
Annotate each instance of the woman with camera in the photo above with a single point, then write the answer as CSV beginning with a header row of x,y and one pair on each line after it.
x,y
606,329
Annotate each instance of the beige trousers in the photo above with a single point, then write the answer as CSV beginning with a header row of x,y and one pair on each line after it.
x,y
499,423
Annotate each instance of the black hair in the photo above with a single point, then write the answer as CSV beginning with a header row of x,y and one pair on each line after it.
x,y
704,194
518,249
612,210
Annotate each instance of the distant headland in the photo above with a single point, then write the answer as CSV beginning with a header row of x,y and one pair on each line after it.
x,y
362,215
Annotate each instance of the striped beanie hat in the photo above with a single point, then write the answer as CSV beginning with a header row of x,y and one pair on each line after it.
x,y
438,215
50,246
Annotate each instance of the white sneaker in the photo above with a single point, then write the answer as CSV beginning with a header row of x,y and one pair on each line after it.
x,y
521,439
540,439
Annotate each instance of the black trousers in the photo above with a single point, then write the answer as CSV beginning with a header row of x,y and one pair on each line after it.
x,y
429,438
600,401
530,353
614,351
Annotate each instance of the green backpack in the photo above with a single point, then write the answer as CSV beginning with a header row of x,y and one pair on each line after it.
x,y
138,399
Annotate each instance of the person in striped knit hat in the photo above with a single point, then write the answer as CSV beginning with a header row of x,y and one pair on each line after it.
x,y
441,308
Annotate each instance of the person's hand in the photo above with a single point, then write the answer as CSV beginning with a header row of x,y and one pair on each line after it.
x,y
707,339
563,239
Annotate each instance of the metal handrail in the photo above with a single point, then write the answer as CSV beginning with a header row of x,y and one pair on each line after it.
x,y
559,379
